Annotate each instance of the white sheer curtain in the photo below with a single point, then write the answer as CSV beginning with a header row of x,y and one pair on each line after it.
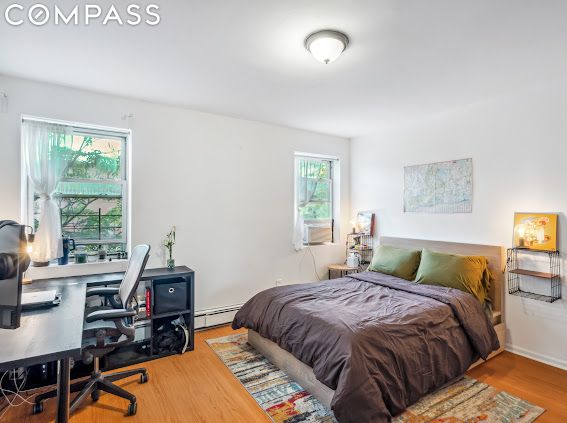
x,y
45,160
305,189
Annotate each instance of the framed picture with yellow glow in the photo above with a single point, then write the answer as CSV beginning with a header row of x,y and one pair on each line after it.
x,y
535,231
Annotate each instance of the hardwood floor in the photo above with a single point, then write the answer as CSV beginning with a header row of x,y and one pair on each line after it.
x,y
197,387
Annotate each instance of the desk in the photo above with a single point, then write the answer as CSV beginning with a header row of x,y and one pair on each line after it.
x,y
53,334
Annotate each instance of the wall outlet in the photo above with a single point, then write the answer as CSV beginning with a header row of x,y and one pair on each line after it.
x,y
279,281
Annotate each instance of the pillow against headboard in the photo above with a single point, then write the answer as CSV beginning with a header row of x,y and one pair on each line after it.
x,y
466,273
395,261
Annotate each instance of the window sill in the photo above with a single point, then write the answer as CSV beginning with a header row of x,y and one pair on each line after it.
x,y
324,244
74,269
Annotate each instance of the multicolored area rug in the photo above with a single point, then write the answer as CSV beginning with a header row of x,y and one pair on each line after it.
x,y
285,401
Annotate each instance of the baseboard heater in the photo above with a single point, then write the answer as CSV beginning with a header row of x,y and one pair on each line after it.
x,y
215,316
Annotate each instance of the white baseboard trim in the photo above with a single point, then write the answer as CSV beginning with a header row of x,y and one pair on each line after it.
x,y
215,316
562,364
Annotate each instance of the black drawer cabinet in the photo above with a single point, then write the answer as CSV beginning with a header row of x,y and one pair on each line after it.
x,y
170,296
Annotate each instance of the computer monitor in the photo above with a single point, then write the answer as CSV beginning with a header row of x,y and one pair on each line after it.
x,y
12,252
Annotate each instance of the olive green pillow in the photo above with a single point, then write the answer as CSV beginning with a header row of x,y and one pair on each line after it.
x,y
395,262
466,273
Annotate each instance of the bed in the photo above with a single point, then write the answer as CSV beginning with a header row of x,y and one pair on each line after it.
x,y
369,345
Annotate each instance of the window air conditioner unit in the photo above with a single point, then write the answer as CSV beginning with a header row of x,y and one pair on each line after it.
x,y
315,234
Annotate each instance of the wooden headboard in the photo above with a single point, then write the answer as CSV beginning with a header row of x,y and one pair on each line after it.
x,y
494,255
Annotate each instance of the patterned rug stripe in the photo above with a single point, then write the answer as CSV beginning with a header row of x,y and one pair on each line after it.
x,y
258,375
443,396
285,401
453,401
266,368
258,388
278,392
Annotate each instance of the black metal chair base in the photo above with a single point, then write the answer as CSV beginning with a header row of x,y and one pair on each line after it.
x,y
92,386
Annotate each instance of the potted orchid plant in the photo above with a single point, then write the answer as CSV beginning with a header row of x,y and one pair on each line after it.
x,y
169,242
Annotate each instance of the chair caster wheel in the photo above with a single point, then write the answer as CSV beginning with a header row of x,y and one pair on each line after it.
x,y
132,408
95,395
144,377
37,408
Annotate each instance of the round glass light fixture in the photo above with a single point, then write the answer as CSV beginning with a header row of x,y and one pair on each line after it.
x,y
326,45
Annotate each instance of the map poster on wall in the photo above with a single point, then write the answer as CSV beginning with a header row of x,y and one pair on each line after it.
x,y
445,187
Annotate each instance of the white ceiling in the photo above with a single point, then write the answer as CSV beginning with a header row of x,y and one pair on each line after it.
x,y
407,58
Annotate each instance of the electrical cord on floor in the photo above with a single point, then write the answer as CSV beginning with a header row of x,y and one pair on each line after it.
x,y
11,403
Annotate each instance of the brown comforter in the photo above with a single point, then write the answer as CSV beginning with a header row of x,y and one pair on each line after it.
x,y
380,342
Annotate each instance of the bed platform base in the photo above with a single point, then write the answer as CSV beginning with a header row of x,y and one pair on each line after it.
x,y
297,370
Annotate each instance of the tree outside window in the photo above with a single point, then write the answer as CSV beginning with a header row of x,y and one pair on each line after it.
x,y
91,194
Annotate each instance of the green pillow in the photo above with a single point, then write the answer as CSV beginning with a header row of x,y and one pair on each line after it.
x,y
395,262
466,273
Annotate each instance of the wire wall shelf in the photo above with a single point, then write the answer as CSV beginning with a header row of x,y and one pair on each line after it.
x,y
361,244
552,278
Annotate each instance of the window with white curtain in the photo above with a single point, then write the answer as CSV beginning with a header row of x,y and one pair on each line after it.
x,y
315,190
91,189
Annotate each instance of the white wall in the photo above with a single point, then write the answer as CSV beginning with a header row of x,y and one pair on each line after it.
x,y
519,150
226,183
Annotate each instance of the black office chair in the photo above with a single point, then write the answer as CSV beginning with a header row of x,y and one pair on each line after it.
x,y
106,328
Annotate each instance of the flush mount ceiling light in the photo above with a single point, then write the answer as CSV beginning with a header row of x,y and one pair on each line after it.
x,y
326,45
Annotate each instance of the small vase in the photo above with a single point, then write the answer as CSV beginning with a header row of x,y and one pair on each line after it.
x,y
171,264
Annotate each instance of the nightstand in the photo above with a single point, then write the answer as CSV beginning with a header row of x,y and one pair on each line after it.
x,y
343,269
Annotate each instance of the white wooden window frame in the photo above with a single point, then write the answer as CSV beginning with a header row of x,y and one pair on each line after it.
x,y
334,180
124,135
